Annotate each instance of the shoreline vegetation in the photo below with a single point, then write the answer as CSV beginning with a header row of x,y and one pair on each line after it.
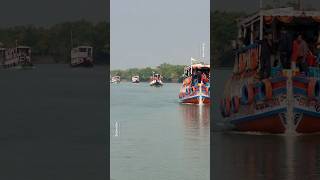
x,y
52,44
169,72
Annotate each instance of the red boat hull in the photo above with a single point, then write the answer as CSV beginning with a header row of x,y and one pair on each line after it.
x,y
270,124
196,100
308,124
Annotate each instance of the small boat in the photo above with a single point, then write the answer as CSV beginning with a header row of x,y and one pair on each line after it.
x,y
115,79
18,57
81,56
156,80
196,85
287,100
135,79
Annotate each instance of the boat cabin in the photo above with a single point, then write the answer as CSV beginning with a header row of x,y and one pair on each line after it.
x,y
273,33
82,51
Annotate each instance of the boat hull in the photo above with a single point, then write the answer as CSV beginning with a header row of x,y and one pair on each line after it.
x,y
197,99
296,112
271,123
85,63
156,84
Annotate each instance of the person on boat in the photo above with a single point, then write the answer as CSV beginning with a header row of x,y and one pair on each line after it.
x,y
204,78
317,49
266,50
285,48
199,76
299,54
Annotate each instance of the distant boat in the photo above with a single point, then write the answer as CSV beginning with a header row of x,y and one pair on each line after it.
x,y
18,57
115,79
156,80
135,79
81,56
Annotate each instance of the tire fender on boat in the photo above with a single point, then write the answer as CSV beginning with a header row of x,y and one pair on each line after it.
x,y
254,58
267,88
235,103
313,88
225,106
247,94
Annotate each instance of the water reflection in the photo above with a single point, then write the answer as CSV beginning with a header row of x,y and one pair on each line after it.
x,y
195,116
242,156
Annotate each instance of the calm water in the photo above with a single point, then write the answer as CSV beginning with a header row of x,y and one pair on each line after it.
x,y
157,138
53,123
257,156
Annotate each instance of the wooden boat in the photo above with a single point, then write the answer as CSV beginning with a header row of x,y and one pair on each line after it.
x,y
81,56
196,85
288,101
156,80
135,79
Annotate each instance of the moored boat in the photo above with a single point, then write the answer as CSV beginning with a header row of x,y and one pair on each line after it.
x,y
156,80
288,99
17,57
135,79
81,56
115,79
196,85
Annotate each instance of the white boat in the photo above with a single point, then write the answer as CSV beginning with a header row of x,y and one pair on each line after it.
x,y
115,79
156,80
19,56
135,79
81,56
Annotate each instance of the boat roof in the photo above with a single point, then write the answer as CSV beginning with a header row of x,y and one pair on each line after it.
x,y
287,12
88,47
200,65
23,47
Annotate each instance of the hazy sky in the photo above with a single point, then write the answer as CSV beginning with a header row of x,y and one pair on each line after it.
x,y
47,12
150,32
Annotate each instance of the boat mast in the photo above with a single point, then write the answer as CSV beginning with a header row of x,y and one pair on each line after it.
x,y
300,5
203,46
71,39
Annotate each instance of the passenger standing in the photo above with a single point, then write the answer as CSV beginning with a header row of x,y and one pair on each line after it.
x,y
300,51
285,48
266,46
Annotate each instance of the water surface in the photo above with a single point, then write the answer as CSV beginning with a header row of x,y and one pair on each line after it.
x,y
157,138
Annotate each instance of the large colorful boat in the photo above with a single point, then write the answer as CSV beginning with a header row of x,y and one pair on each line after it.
x,y
288,100
196,85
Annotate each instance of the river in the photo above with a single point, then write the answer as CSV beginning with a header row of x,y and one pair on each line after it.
x,y
155,137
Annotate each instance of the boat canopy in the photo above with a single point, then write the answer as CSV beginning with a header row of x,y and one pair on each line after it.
x,y
254,25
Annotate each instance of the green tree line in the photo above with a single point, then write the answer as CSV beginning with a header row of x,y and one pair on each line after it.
x,y
56,41
170,73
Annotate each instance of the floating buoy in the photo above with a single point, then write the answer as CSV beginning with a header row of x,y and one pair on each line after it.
x,y
225,106
235,103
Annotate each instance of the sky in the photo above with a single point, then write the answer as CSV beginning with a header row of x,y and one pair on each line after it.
x,y
48,12
147,33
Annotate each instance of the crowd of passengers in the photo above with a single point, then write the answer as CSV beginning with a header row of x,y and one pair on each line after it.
x,y
299,49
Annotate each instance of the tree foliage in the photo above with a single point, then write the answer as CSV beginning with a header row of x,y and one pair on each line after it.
x,y
56,40
170,73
